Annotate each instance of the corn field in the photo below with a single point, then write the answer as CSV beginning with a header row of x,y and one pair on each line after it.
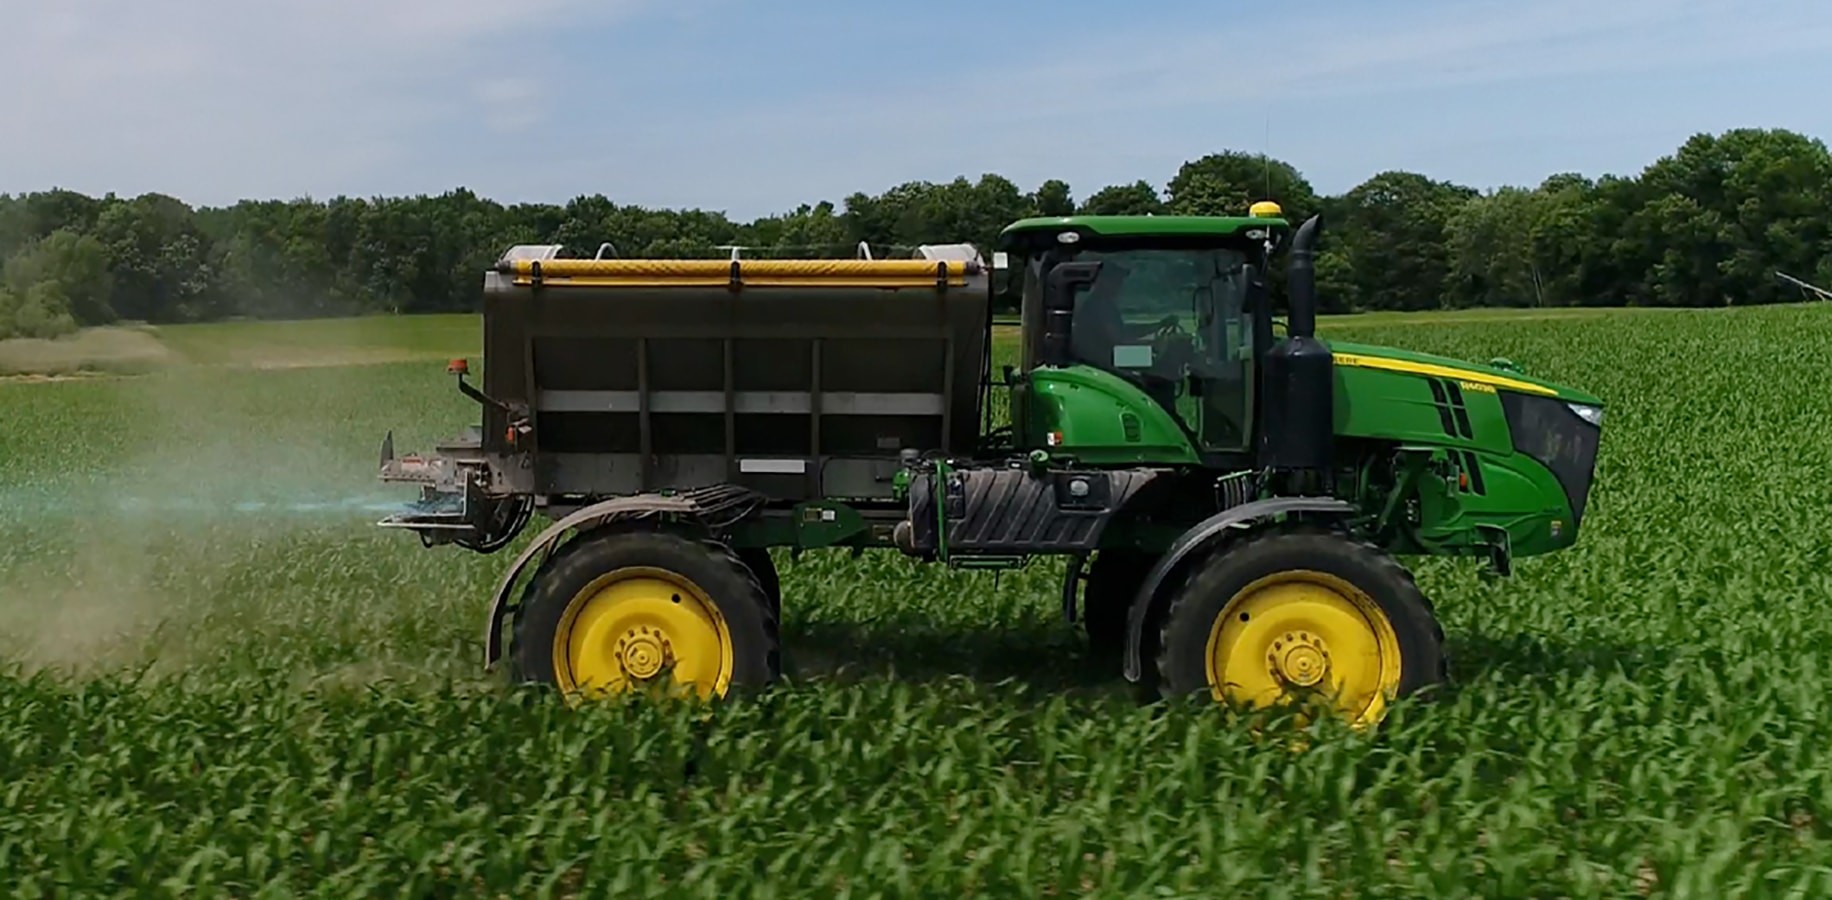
x,y
221,680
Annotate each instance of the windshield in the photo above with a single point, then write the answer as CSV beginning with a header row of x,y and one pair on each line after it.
x,y
1158,316
1141,293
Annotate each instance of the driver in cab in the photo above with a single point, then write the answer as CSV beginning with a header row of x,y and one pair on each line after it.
x,y
1099,324
1099,327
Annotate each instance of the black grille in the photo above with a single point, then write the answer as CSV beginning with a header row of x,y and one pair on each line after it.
x,y
1547,430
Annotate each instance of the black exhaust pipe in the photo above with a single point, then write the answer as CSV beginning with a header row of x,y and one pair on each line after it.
x,y
1301,289
1298,418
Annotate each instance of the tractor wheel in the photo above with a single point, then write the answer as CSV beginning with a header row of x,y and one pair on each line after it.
x,y
619,610
761,565
1113,578
1288,613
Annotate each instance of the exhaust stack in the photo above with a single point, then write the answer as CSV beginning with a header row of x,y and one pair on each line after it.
x,y
1299,416
1302,286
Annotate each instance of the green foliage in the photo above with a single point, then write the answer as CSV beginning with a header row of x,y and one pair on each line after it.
x,y
76,265
1225,184
1706,226
1391,234
40,311
1053,198
1643,714
49,284
1494,245
1136,199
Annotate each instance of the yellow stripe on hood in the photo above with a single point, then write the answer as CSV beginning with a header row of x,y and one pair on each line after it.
x,y
1419,368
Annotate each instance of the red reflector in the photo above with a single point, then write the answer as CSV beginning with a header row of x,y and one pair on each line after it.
x,y
458,367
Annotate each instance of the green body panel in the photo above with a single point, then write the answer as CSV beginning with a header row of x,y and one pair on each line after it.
x,y
1470,370
1147,226
1517,497
1462,425
1102,418
1402,407
1469,500
1473,487
826,523
816,525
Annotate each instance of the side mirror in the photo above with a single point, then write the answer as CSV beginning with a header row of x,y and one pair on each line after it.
x,y
1059,290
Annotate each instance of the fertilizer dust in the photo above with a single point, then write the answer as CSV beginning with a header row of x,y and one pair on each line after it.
x,y
170,511
96,610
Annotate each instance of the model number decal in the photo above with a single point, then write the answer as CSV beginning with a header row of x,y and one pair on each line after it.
x,y
1476,386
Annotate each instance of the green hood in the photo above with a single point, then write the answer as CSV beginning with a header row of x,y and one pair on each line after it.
x,y
1396,360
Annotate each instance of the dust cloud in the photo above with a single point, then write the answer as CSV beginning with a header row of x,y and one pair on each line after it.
x,y
150,521
98,609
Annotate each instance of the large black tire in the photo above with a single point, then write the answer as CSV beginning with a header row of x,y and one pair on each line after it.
x,y
1112,581
1308,588
697,571
762,566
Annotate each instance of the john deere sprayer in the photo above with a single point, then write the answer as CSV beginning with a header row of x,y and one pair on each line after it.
x,y
1231,495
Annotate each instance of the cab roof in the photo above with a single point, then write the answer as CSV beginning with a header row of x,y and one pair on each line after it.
x,y
1145,226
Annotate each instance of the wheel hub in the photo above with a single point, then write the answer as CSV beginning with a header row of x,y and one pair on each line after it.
x,y
643,653
1300,658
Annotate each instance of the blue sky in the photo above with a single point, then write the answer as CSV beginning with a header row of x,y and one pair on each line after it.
x,y
754,107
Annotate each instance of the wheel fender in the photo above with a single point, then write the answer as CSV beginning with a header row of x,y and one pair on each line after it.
x,y
616,509
1200,538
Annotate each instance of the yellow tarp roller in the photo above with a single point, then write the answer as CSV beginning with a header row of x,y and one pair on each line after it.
x,y
887,273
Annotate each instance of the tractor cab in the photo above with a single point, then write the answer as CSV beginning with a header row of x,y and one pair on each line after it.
x,y
1166,315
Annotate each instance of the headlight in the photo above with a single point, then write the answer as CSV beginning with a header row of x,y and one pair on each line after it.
x,y
1591,414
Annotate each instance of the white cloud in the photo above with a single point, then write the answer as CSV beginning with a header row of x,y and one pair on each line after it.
x,y
213,100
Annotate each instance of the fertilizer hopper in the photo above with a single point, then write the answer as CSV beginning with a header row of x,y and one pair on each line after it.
x,y
795,379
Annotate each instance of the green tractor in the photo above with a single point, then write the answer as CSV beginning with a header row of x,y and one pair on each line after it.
x,y
1230,497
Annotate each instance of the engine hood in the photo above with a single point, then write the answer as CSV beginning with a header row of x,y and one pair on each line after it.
x,y
1369,356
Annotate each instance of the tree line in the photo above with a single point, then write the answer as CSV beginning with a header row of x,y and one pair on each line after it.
x,y
1708,225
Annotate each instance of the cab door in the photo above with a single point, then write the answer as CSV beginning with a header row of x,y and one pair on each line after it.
x,y
1220,395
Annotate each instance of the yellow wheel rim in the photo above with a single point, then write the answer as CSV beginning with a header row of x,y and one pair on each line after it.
x,y
1304,633
636,627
